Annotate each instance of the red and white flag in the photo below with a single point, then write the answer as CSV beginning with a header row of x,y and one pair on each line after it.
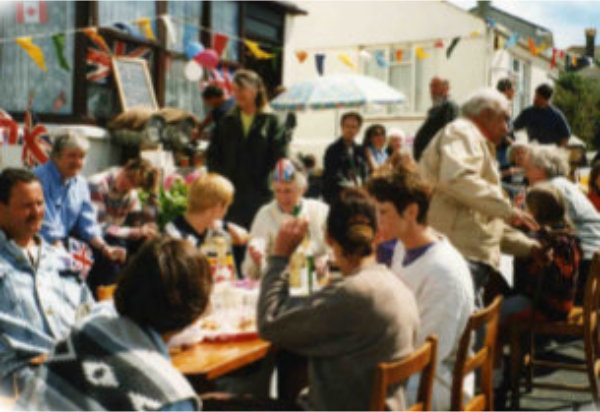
x,y
36,142
9,129
32,12
82,257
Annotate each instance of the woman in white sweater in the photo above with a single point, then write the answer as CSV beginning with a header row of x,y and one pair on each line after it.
x,y
431,268
289,185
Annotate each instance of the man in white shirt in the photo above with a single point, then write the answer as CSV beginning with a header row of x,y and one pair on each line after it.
x,y
432,269
289,184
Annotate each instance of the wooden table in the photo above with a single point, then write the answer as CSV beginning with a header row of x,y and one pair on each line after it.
x,y
208,361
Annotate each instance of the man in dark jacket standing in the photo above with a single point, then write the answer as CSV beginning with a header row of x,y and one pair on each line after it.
x,y
439,115
345,164
245,147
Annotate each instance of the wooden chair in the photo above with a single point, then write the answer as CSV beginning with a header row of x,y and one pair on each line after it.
x,y
581,322
483,358
391,373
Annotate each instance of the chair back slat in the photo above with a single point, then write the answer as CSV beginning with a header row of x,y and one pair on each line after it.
x,y
388,374
484,359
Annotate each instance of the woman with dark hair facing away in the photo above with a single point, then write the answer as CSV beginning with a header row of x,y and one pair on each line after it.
x,y
366,317
122,362
374,145
246,144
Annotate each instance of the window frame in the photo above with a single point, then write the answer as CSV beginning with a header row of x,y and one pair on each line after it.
x,y
87,15
411,94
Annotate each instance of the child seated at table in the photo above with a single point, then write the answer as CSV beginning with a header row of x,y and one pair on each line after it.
x,y
546,281
347,328
209,198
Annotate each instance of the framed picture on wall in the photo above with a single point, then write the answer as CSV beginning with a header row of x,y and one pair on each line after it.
x,y
134,83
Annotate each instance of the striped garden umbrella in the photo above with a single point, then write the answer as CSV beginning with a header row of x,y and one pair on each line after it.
x,y
337,91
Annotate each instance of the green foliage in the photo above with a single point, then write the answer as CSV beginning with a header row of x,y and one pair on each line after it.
x,y
171,203
579,99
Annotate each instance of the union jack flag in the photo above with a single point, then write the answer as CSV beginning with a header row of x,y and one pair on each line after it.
x,y
99,62
36,142
9,129
82,258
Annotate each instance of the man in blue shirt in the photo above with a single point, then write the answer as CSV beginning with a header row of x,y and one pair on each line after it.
x,y
40,298
544,122
69,211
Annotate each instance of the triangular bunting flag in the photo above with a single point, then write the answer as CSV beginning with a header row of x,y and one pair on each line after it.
x,y
169,29
145,26
363,54
59,48
381,61
301,55
399,55
256,51
319,61
439,44
421,54
220,42
32,50
96,38
532,48
450,48
512,41
475,33
344,58
553,61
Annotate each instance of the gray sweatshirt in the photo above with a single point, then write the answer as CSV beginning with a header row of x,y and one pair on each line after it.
x,y
345,330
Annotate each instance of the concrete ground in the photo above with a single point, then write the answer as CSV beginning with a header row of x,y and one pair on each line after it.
x,y
557,400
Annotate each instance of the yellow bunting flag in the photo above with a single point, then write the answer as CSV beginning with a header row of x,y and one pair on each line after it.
x,y
532,48
574,61
421,54
34,51
475,33
542,48
347,61
301,55
146,27
92,34
256,51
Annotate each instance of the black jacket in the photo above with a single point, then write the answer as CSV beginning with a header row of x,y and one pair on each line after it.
x,y
437,117
246,161
341,170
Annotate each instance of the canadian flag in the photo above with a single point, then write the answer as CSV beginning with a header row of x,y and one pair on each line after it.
x,y
32,12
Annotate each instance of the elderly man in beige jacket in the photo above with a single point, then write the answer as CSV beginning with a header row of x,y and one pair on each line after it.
x,y
468,204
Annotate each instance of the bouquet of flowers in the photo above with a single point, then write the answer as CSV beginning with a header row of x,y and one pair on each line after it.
x,y
172,196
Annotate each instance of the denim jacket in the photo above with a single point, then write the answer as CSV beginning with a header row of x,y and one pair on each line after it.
x,y
38,304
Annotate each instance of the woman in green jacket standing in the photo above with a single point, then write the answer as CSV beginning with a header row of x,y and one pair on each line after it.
x,y
245,147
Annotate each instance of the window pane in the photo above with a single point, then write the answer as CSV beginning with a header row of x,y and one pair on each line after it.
x,y
182,13
225,19
102,100
424,71
110,12
401,79
54,88
181,92
373,69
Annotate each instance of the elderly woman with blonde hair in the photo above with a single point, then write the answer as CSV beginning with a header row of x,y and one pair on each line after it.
x,y
551,164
